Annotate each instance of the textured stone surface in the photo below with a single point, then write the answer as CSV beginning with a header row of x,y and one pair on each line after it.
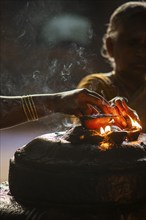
x,y
78,175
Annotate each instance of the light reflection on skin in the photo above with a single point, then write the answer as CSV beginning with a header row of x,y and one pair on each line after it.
x,y
13,138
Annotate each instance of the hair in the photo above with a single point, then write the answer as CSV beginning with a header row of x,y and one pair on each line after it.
x,y
118,18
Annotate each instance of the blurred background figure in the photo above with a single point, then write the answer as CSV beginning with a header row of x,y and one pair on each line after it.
x,y
124,45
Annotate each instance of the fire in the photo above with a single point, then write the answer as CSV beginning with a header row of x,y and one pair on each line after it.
x,y
135,124
105,130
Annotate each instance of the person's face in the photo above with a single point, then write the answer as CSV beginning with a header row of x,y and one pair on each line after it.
x,y
129,48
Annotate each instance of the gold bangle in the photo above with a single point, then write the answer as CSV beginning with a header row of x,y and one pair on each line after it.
x,y
33,108
24,108
29,108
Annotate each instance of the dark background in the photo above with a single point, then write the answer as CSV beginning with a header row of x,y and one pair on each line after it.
x,y
30,64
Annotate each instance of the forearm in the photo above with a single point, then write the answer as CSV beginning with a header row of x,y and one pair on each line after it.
x,y
20,109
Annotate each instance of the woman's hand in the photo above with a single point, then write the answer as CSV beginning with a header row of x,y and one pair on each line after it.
x,y
81,102
124,113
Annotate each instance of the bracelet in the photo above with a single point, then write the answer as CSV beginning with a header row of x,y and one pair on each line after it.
x,y
29,108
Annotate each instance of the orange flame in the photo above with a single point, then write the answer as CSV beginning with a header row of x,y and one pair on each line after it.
x,y
105,130
135,124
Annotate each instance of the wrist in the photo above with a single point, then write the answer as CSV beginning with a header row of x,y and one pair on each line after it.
x,y
46,104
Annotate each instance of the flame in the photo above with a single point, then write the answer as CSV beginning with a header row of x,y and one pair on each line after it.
x,y
135,124
105,130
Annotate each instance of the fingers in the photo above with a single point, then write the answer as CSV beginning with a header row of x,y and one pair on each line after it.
x,y
96,101
98,104
92,110
131,112
86,109
95,98
125,113
89,102
119,120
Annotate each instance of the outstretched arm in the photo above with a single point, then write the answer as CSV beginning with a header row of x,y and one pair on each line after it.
x,y
19,109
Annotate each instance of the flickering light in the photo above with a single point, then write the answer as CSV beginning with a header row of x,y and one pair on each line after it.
x,y
105,130
135,123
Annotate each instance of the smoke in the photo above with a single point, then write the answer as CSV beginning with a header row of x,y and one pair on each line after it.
x,y
66,27
45,49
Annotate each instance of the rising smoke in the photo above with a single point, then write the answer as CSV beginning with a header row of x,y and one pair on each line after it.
x,y
45,46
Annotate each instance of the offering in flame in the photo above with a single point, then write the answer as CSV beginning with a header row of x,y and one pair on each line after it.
x,y
112,137
120,123
110,134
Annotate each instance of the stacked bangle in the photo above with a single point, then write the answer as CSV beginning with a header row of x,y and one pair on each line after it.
x,y
29,108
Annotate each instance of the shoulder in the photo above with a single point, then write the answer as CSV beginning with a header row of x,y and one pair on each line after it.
x,y
97,77
101,83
